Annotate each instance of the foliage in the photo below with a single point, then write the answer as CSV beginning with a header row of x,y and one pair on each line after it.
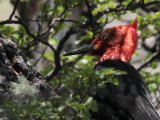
x,y
75,78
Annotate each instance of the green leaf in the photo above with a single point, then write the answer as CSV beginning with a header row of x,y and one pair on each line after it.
x,y
49,56
60,8
152,87
154,64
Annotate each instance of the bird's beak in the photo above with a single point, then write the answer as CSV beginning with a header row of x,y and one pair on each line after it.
x,y
82,50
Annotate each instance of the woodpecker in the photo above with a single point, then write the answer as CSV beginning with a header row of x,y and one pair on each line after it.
x,y
130,100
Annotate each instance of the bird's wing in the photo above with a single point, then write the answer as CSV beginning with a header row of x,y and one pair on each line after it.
x,y
131,96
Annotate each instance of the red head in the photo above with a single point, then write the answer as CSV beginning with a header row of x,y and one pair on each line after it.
x,y
118,42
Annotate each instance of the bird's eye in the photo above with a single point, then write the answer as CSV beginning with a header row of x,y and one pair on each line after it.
x,y
105,37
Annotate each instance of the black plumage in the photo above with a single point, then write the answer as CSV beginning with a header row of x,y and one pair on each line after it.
x,y
130,100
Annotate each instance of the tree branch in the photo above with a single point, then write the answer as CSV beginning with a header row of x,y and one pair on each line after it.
x,y
57,54
152,58
19,65
128,7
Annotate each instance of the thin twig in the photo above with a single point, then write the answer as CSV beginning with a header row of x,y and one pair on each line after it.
x,y
152,58
60,46
14,9
42,54
33,36
9,22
